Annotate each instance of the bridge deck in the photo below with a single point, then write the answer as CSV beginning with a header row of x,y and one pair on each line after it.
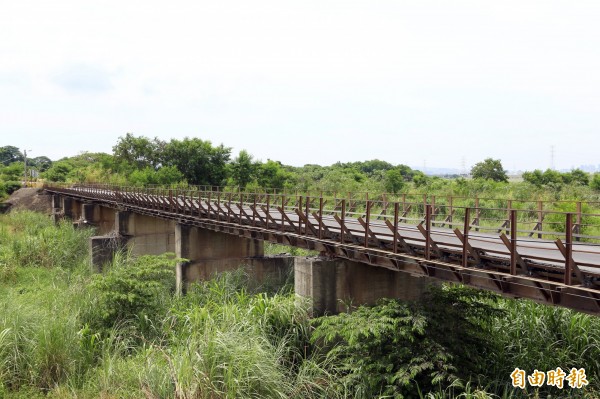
x,y
514,265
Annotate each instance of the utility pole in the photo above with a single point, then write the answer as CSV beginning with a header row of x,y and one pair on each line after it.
x,y
25,169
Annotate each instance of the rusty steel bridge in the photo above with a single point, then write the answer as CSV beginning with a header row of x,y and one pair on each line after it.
x,y
541,250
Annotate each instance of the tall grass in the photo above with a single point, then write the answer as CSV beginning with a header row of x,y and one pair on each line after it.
x,y
221,340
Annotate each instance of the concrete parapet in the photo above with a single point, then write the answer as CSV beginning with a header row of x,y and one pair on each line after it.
x,y
335,284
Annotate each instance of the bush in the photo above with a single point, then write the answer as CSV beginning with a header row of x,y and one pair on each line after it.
x,y
595,182
395,348
133,290
9,187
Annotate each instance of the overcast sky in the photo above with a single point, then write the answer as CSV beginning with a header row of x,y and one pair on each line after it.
x,y
408,82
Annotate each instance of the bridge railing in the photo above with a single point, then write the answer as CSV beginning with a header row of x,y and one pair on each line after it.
x,y
443,229
537,218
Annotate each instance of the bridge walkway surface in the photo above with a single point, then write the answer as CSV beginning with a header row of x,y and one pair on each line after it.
x,y
560,266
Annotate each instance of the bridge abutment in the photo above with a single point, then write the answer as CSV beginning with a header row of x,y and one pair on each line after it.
x,y
333,285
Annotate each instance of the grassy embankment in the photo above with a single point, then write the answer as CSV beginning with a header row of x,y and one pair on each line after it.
x,y
65,333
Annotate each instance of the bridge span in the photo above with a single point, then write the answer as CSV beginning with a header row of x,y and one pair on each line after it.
x,y
376,246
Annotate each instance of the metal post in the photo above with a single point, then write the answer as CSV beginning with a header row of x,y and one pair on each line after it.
x,y
209,207
396,210
578,225
540,217
25,171
229,209
254,212
218,205
367,224
307,214
321,217
299,202
282,212
428,232
241,207
268,209
465,246
451,211
343,219
569,248
509,213
513,242
477,213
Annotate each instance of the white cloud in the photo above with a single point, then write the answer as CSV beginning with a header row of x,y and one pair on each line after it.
x,y
307,82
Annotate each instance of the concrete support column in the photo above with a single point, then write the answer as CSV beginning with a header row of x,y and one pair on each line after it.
x,y
335,284
147,235
67,207
103,249
182,250
123,225
209,253
71,208
56,208
90,213
105,222
56,204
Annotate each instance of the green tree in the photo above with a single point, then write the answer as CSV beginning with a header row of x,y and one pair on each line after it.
x,y
271,174
489,169
595,182
394,181
59,171
164,175
13,172
578,177
420,179
198,160
10,154
536,177
41,163
551,176
243,169
138,152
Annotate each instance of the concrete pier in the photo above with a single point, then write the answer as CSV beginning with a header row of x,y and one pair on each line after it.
x,y
336,284
146,235
209,252
103,249
333,285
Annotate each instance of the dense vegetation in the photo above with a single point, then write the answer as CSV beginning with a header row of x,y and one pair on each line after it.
x,y
143,161
65,333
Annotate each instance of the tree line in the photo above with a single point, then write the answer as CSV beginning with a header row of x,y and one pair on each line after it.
x,y
141,161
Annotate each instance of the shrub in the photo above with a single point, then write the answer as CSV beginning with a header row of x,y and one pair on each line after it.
x,y
392,348
132,290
